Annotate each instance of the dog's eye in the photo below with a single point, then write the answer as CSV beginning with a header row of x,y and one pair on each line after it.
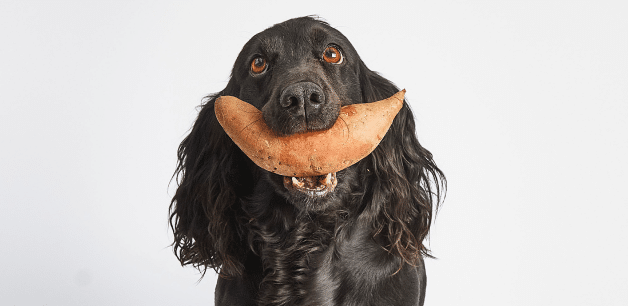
x,y
258,65
332,55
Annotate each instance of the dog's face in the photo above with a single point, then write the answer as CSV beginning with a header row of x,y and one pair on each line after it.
x,y
299,73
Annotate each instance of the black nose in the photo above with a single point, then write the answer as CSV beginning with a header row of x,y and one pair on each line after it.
x,y
303,98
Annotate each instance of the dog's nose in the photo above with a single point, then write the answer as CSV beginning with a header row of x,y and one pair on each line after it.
x,y
303,97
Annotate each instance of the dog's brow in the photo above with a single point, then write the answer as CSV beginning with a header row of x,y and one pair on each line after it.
x,y
271,45
318,35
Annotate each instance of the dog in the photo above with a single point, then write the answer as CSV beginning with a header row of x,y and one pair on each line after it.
x,y
359,242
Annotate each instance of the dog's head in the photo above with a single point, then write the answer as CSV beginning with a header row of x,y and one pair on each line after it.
x,y
299,73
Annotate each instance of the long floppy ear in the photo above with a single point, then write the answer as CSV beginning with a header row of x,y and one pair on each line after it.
x,y
212,173
405,184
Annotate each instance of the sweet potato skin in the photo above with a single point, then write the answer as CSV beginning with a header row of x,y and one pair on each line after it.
x,y
356,133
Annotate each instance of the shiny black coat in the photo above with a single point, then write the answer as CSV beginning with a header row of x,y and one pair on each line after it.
x,y
362,244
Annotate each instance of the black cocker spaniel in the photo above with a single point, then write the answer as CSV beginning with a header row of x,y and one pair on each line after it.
x,y
275,241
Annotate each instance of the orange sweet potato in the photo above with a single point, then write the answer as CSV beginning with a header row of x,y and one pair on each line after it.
x,y
356,133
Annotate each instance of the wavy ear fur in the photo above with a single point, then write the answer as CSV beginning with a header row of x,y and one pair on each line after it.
x,y
404,183
212,174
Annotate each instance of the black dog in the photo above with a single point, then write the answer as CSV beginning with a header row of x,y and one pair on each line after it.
x,y
360,243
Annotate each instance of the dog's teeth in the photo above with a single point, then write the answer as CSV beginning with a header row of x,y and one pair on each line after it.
x,y
327,179
296,182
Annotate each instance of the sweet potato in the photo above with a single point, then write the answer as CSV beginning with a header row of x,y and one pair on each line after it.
x,y
356,133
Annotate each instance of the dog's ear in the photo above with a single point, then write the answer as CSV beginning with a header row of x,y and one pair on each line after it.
x,y
405,184
212,173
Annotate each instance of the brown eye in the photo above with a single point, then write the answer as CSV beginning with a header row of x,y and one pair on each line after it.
x,y
258,65
332,55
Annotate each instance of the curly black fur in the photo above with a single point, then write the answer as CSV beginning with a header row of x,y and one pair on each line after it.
x,y
360,245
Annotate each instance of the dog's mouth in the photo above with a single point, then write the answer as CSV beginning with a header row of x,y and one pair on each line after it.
x,y
312,186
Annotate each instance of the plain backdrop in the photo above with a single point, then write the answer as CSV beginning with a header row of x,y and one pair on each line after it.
x,y
524,105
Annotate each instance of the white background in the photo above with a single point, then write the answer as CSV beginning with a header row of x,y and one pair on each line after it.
x,y
523,103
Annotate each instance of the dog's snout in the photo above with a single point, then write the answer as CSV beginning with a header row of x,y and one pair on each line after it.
x,y
302,97
300,107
